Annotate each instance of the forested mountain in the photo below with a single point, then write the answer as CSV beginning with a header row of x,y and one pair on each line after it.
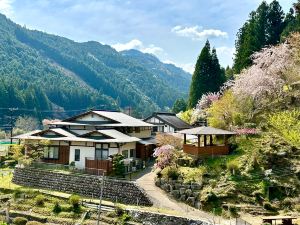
x,y
50,73
176,77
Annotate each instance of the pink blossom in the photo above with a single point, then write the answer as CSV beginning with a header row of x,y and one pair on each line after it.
x,y
246,131
165,155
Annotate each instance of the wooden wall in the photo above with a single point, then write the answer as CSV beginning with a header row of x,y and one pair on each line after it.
x,y
206,151
93,166
144,152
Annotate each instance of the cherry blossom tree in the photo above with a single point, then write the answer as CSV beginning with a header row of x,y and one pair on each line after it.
x,y
165,155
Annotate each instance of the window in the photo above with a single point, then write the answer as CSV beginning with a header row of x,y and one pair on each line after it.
x,y
131,153
51,152
125,154
77,155
137,130
101,151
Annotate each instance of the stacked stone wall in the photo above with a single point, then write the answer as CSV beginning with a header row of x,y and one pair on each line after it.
x,y
86,185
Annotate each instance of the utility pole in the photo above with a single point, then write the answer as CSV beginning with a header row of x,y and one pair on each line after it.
x,y
100,202
11,123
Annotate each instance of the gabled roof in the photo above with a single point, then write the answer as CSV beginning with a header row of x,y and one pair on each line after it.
x,y
206,131
115,118
170,119
111,136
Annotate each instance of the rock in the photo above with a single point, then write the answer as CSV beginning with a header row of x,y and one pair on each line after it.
x,y
198,205
188,192
191,201
175,194
196,194
157,182
195,186
182,191
178,186
182,198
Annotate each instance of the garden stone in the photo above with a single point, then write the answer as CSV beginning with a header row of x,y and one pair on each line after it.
x,y
188,192
191,201
198,205
182,198
175,194
182,190
157,183
196,194
177,186
195,186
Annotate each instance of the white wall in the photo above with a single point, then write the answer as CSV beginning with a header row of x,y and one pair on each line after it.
x,y
128,146
84,152
92,117
141,134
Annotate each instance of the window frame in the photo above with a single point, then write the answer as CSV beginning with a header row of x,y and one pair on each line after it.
x,y
102,149
47,150
75,155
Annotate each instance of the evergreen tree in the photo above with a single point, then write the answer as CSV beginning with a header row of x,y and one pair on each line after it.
x,y
179,106
292,21
208,75
263,27
275,23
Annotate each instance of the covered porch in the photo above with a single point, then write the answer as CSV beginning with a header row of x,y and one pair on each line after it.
x,y
209,141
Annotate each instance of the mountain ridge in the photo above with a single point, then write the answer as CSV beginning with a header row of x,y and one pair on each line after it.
x,y
54,70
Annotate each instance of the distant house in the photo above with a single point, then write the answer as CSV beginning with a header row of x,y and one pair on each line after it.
x,y
166,122
90,138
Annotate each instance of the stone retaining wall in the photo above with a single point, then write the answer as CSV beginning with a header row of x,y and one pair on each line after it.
x,y
188,193
86,185
151,218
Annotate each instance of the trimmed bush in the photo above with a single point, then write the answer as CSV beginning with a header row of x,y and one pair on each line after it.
x,y
33,223
173,173
2,223
39,200
20,221
268,206
74,200
56,208
233,167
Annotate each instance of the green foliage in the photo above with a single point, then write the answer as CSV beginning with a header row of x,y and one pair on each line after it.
x,y
2,223
74,200
118,165
27,123
186,116
172,173
39,200
56,208
180,105
287,125
20,221
208,75
269,206
233,167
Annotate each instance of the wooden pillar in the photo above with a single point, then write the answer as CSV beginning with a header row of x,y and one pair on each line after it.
x,y
210,140
198,140
184,138
225,140
205,140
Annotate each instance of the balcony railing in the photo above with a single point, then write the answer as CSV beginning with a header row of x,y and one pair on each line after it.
x,y
206,150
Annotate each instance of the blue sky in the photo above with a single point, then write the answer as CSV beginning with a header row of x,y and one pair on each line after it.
x,y
173,30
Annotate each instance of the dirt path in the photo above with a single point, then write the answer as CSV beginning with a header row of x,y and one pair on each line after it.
x,y
161,200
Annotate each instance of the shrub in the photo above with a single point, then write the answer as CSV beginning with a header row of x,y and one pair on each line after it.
x,y
173,173
287,203
297,208
17,193
119,211
20,221
33,223
74,200
56,208
268,206
39,200
2,223
233,167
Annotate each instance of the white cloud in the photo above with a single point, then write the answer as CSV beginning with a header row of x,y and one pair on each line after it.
x,y
225,55
6,7
197,32
188,67
138,45
133,44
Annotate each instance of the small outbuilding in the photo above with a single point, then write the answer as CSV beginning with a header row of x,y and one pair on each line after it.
x,y
209,141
